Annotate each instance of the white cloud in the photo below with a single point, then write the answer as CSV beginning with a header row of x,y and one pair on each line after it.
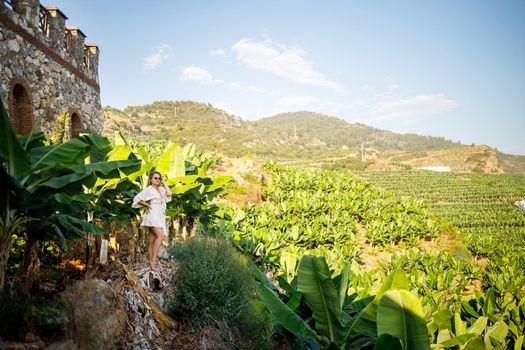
x,y
393,87
241,87
285,62
292,103
413,108
217,52
162,53
255,89
199,75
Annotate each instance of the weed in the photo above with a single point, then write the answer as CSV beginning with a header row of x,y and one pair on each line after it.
x,y
214,288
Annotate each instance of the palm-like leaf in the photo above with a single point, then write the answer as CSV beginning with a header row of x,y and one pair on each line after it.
x,y
314,281
11,151
283,314
400,314
366,319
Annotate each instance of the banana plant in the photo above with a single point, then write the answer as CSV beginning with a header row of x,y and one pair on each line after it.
x,y
44,184
192,199
320,314
193,191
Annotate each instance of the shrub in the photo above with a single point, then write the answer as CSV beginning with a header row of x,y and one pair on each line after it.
x,y
19,315
94,307
213,288
51,318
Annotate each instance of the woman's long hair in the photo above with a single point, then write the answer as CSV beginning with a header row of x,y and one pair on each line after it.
x,y
150,177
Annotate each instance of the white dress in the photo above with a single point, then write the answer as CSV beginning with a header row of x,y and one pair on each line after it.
x,y
156,217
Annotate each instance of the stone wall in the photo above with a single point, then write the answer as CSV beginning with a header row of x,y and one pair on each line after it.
x,y
46,69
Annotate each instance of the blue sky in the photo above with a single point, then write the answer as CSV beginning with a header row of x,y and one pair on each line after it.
x,y
444,68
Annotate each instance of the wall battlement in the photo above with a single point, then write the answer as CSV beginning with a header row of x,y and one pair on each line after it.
x,y
47,69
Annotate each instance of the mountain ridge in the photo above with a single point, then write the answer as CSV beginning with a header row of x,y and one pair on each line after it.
x,y
291,135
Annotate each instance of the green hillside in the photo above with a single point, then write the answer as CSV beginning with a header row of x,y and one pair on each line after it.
x,y
311,138
329,131
287,135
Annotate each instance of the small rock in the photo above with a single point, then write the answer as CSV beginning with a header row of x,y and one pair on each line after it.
x,y
13,45
163,254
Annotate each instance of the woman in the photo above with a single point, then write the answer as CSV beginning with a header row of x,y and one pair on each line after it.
x,y
154,198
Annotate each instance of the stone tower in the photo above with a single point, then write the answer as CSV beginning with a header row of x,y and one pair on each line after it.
x,y
47,69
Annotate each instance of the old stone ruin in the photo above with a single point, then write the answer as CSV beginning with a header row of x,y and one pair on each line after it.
x,y
46,70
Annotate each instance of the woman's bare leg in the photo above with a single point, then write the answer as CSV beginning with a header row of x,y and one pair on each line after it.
x,y
159,237
152,238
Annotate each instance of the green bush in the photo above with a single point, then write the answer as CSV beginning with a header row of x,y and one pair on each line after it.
x,y
214,287
50,319
19,315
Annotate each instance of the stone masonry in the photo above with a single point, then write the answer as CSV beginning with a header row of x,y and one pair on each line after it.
x,y
46,69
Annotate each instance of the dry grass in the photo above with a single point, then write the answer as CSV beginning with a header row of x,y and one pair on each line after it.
x,y
98,319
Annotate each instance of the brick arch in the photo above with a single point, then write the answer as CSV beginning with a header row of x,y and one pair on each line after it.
x,y
20,105
75,122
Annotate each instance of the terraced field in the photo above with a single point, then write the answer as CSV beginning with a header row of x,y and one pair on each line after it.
x,y
471,298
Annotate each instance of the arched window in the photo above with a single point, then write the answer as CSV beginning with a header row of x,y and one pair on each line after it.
x,y
21,109
76,124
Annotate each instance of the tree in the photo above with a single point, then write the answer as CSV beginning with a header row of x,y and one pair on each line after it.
x,y
43,188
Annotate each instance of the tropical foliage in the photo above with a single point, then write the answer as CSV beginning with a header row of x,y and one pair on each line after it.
x,y
44,185
463,303
69,189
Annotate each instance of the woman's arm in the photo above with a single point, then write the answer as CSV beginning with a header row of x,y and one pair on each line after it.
x,y
143,197
144,204
167,188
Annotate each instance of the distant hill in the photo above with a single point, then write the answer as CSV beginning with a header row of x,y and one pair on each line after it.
x,y
476,158
294,136
321,130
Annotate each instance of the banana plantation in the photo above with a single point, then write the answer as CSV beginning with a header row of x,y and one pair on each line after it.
x,y
317,231
326,260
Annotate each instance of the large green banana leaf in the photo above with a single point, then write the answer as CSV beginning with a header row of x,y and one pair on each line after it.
x,y
171,163
219,182
342,284
284,315
497,332
185,188
68,153
186,180
476,344
400,314
388,342
366,319
119,152
11,151
314,281
110,169
95,141
32,140
80,227
57,202
72,180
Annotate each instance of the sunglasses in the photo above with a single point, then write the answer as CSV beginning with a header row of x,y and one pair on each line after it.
x,y
156,178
